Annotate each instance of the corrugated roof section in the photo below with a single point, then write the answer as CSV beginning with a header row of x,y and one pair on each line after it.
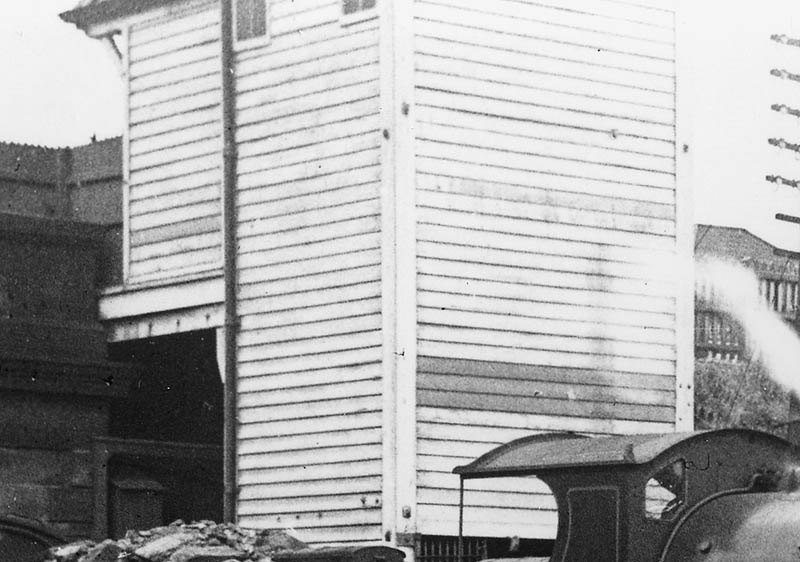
x,y
29,163
32,164
97,161
740,245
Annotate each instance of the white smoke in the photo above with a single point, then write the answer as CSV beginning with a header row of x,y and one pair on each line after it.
x,y
734,289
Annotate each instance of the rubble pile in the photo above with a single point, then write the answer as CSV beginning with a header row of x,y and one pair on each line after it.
x,y
204,541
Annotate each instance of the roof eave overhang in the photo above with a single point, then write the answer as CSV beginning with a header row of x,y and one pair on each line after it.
x,y
96,14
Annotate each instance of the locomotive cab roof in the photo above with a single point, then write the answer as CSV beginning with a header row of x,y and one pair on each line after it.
x,y
551,451
563,451
618,497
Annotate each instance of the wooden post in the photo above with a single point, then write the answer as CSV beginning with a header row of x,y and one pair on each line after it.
x,y
398,256
461,520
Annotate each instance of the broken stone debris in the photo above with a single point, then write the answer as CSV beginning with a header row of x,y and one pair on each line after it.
x,y
204,541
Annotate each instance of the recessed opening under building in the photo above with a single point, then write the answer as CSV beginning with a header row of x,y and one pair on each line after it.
x,y
164,454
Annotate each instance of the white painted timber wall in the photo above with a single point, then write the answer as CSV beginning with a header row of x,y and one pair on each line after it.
x,y
309,347
174,143
545,175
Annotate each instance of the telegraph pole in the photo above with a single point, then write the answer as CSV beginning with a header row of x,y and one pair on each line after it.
x,y
793,113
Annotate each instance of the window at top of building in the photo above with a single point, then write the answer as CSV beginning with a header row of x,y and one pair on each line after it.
x,y
355,6
251,19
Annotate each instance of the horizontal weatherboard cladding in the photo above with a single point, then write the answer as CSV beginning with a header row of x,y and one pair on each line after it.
x,y
540,390
310,341
174,143
545,237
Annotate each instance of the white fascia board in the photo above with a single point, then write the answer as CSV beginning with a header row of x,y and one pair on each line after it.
x,y
130,302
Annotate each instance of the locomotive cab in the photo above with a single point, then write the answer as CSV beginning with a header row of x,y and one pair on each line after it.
x,y
624,498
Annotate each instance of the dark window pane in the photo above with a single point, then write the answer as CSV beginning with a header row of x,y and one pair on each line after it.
x,y
258,25
367,4
351,6
251,18
243,8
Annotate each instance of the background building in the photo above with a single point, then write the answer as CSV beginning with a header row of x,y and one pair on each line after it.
x,y
732,386
80,184
94,439
717,337
56,380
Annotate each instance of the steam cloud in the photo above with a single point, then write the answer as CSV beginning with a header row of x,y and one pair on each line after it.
x,y
734,289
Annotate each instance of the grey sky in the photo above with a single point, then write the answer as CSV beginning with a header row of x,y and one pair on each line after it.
x,y
59,87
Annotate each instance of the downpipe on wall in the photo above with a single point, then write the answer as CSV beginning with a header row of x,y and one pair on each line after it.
x,y
229,258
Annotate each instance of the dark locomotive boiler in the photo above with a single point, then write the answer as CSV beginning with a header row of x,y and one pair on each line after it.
x,y
728,495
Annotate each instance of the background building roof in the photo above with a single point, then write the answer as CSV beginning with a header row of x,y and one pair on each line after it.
x,y
44,165
738,244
